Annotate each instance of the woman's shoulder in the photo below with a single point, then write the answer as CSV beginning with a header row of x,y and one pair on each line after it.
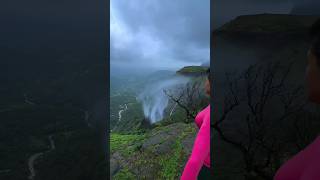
x,y
205,111
202,114
312,172
302,164
314,147
317,146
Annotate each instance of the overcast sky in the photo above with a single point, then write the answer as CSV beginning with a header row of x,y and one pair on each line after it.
x,y
157,34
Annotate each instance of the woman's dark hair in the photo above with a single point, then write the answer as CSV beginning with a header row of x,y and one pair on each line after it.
x,y
209,75
314,34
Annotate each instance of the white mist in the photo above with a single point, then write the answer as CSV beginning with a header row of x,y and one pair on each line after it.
x,y
155,101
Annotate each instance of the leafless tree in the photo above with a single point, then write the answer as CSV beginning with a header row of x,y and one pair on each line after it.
x,y
189,97
259,102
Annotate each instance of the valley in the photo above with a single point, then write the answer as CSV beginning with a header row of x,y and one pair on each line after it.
x,y
141,149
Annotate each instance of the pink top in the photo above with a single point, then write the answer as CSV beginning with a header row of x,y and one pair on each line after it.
x,y
201,148
303,166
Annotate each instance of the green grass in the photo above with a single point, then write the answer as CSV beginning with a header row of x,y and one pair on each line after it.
x,y
167,166
170,163
124,174
193,69
125,143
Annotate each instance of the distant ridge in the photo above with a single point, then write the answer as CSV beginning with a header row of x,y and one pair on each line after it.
x,y
193,70
268,23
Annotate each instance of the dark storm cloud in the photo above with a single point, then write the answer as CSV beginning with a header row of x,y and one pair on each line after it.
x,y
160,33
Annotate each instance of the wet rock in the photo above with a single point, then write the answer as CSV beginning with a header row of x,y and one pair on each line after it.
x,y
154,140
165,147
163,139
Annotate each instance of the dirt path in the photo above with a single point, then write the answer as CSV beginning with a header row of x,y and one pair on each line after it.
x,y
27,100
121,111
32,159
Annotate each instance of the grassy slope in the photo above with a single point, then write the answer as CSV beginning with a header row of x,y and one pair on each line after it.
x,y
160,166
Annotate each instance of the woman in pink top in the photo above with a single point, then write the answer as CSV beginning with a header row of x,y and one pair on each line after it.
x,y
306,164
198,165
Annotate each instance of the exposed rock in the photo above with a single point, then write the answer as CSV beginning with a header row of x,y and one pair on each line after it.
x,y
115,163
187,143
165,147
114,166
158,139
164,138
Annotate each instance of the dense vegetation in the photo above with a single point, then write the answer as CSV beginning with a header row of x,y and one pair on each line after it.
x,y
192,70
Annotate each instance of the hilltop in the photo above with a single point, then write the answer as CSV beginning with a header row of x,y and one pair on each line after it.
x,y
266,30
268,24
192,70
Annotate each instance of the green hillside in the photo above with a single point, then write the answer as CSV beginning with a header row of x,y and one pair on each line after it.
x,y
159,154
192,70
